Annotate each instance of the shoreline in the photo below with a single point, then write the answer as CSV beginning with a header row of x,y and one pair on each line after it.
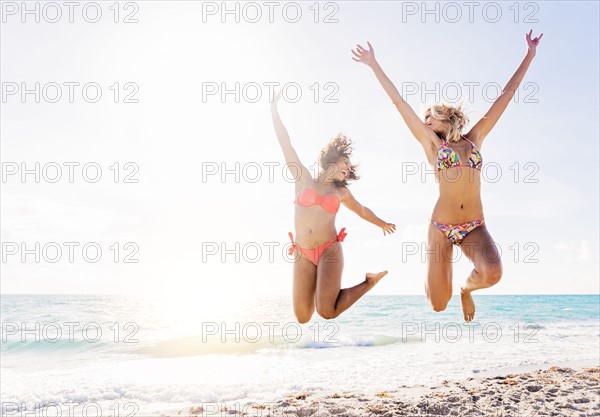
x,y
574,364
545,390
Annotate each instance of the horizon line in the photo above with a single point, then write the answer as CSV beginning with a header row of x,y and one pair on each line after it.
x,y
272,295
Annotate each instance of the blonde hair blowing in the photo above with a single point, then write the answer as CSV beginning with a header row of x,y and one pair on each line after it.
x,y
455,116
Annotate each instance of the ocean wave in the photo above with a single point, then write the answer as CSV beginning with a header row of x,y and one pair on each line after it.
x,y
200,345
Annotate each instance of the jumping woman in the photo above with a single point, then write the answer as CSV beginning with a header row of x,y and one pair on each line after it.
x,y
318,253
457,218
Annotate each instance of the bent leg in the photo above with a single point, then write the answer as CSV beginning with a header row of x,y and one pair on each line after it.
x,y
438,286
304,287
331,300
481,249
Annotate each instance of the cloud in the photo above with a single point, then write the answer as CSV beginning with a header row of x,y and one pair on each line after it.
x,y
26,217
584,251
580,250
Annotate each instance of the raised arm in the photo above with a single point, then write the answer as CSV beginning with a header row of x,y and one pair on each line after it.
x,y
424,135
364,212
481,129
289,153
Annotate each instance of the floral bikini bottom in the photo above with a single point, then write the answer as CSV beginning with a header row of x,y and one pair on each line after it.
x,y
457,232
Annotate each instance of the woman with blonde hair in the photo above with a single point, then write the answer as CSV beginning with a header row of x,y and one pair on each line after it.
x,y
457,218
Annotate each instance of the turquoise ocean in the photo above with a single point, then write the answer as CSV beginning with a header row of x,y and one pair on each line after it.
x,y
142,356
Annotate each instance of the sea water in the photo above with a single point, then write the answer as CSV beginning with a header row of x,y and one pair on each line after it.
x,y
138,356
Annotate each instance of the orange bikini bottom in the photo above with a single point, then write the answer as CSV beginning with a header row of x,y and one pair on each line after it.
x,y
314,254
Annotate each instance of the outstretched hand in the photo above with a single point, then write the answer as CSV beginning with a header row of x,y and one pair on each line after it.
x,y
388,228
532,43
363,55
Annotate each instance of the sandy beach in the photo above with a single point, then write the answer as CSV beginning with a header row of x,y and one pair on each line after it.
x,y
556,391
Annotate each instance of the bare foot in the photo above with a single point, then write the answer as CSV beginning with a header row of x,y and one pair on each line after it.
x,y
373,279
468,306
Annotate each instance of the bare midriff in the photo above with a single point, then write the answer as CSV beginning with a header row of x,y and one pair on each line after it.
x,y
314,226
460,196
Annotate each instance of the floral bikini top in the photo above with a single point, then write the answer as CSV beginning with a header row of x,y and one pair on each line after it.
x,y
448,158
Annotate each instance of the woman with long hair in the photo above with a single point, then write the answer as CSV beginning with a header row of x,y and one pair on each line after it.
x,y
319,259
457,218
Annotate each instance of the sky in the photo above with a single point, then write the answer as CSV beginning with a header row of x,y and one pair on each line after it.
x,y
174,174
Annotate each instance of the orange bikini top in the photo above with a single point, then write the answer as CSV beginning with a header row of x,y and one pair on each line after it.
x,y
309,197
